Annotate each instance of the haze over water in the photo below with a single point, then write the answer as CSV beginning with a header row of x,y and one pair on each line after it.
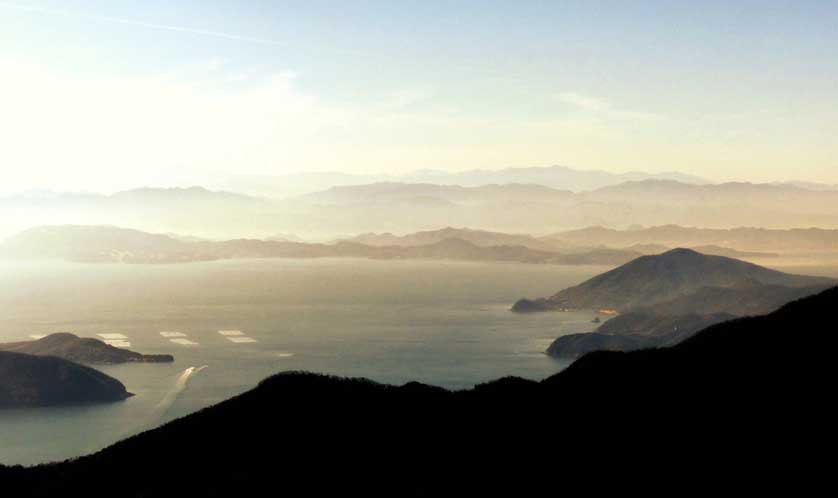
x,y
442,323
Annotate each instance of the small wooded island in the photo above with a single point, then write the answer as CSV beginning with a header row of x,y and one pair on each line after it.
x,y
83,350
28,380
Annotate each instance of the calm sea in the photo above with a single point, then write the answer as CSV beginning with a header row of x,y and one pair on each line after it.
x,y
442,323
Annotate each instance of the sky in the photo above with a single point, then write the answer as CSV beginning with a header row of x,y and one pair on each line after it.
x,y
102,95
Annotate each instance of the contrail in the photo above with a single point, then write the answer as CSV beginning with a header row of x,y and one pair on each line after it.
x,y
131,22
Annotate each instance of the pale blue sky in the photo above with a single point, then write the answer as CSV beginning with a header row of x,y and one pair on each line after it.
x,y
106,94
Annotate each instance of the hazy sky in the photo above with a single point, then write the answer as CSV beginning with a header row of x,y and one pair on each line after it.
x,y
106,94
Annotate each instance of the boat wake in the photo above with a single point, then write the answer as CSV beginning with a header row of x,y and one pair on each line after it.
x,y
171,396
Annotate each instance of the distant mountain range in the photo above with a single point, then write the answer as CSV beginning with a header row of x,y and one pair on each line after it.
x,y
106,244
808,185
720,205
81,350
516,208
28,380
558,177
400,207
742,390
550,243
743,239
436,195
195,210
478,237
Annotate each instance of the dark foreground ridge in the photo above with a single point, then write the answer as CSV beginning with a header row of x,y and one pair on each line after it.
x,y
82,350
734,405
27,380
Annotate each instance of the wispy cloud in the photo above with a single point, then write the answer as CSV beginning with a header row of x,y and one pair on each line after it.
x,y
583,101
603,108
143,24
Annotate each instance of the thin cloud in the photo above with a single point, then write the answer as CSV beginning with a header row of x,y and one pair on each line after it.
x,y
603,108
157,26
583,101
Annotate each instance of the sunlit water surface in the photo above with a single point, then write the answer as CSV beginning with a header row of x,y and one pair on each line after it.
x,y
442,323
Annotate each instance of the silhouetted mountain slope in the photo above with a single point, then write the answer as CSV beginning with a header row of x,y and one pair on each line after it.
x,y
780,357
740,390
576,345
651,280
746,298
642,324
666,298
635,330
27,380
82,350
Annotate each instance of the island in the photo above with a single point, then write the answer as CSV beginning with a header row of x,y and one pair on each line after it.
x,y
663,299
83,350
32,381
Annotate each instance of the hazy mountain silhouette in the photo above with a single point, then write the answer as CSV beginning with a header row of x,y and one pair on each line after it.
x,y
81,350
559,177
710,250
194,210
435,194
666,298
401,207
744,239
482,238
106,244
296,184
651,280
808,185
91,243
752,386
714,250
27,380
553,243
649,202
